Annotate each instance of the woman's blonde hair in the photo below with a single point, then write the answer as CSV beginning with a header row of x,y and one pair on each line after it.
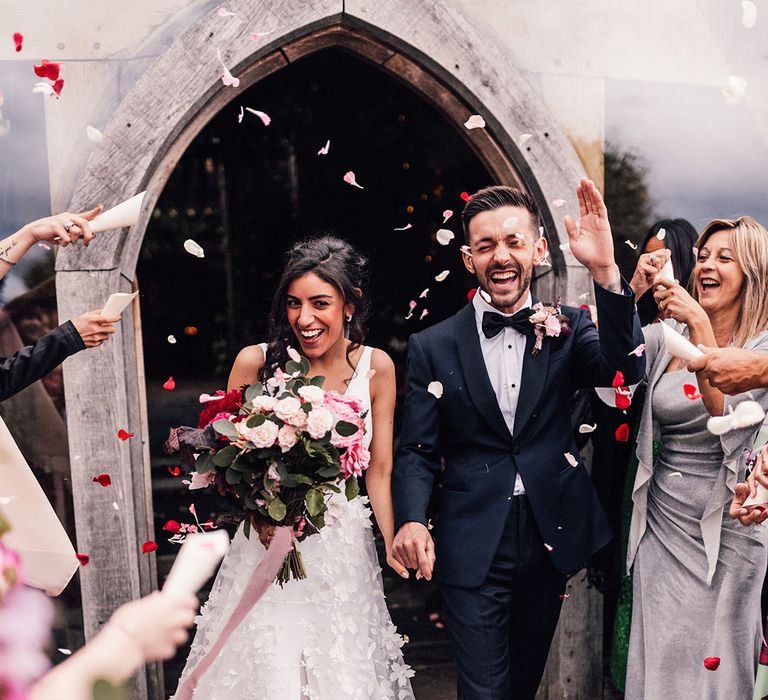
x,y
750,243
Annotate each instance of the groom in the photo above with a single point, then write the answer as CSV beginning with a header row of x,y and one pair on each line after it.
x,y
517,512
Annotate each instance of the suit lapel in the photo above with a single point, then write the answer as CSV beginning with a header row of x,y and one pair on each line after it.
x,y
475,372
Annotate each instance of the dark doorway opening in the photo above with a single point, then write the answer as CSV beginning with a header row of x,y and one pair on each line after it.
x,y
245,191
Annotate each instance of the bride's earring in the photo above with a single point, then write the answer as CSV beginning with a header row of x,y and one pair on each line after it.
x,y
346,325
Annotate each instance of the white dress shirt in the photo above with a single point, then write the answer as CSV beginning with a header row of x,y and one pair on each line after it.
x,y
503,355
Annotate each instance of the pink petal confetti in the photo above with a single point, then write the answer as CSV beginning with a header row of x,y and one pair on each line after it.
x,y
585,428
444,236
293,354
324,150
350,179
510,222
265,118
447,214
557,203
691,392
18,40
423,314
465,249
227,78
630,244
571,459
44,245
622,433
662,234
369,374
258,36
523,139
638,351
193,510
240,115
411,306
442,276
223,12
436,389
423,295
549,547
475,122
404,228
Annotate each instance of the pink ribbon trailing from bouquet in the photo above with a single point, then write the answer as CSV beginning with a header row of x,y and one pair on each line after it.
x,y
261,579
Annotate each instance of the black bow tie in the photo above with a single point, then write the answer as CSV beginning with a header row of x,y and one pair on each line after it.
x,y
494,323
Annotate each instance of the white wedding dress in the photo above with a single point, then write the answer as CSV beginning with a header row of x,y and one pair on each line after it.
x,y
327,637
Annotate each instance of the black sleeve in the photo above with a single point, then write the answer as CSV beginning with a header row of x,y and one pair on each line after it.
x,y
38,359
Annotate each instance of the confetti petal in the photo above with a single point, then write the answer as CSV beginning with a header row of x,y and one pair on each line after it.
x,y
265,118
193,510
557,203
712,663
48,69
630,244
58,86
471,293
171,339
83,559
565,247
18,40
148,546
293,354
571,459
464,196
223,12
475,122
169,385
369,374
444,236
423,314
748,15
549,547
691,392
442,276
586,428
174,471
172,526
350,179
94,135
324,150
103,479
662,234
485,296
622,400
404,228
423,295
523,139
465,249
447,214
194,248
66,652
735,89
436,389
746,414
622,432
618,380
124,435
510,222
227,78
258,36
240,115
411,307
638,351
43,89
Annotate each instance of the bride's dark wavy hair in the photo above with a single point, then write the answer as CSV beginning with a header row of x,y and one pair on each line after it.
x,y
336,262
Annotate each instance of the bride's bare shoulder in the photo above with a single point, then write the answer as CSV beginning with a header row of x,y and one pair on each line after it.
x,y
248,364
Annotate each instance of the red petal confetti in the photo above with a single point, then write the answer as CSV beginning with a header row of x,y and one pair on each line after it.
x,y
83,559
172,526
691,392
123,435
471,293
170,385
622,432
563,596
18,38
712,663
103,479
58,86
464,196
48,69
175,471
618,380
622,400
148,546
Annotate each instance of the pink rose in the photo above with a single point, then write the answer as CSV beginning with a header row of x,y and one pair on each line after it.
x,y
355,460
319,422
287,437
261,436
223,416
289,410
345,407
312,394
552,326
264,403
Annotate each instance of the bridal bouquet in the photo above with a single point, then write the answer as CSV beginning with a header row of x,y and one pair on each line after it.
x,y
277,452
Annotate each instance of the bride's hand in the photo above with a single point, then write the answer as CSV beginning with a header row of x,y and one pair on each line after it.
x,y
396,565
265,529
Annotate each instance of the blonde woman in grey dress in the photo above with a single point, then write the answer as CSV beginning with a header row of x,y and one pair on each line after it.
x,y
697,573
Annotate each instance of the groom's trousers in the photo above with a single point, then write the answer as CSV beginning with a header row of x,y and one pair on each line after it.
x,y
501,632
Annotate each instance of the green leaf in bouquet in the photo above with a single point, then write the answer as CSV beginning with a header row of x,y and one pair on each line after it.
x,y
233,476
252,391
291,481
343,428
225,427
317,381
292,367
249,501
225,457
304,366
204,463
256,420
247,527
330,487
328,472
277,509
352,488
318,521
306,407
315,502
309,446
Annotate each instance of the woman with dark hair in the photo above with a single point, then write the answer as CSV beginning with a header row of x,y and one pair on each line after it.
x,y
329,636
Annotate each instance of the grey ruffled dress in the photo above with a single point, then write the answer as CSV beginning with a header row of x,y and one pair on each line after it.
x,y
697,574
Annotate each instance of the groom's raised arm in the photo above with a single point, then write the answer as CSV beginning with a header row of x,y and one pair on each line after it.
x,y
417,459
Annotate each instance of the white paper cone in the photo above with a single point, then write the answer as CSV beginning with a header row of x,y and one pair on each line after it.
x,y
678,346
667,272
117,303
607,394
759,499
124,214
196,561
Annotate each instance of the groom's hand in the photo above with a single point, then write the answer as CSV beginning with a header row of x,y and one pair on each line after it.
x,y
413,548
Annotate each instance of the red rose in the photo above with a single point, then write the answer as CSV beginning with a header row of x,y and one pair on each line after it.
x,y
228,403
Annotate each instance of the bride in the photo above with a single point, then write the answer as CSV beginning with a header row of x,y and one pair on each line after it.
x,y
329,636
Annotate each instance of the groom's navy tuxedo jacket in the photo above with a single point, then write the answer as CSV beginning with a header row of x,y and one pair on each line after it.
x,y
465,428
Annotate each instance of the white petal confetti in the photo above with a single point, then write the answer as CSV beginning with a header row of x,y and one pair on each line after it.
x,y
258,36
240,115
324,150
66,652
676,474
265,118
293,354
571,459
447,214
423,314
630,244
94,135
565,247
510,222
423,295
523,139
558,203
638,351
748,14
475,122
465,249
43,88
227,78
411,307
194,248
441,277
485,296
735,89
746,414
436,389
369,374
115,506
171,339
662,234
585,428
350,179
404,228
549,547
444,236
695,252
